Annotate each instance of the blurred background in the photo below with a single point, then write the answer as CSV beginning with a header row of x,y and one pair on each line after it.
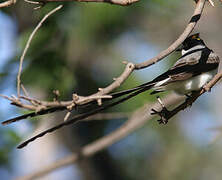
x,y
81,48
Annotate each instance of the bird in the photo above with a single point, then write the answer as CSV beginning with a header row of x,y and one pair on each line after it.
x,y
195,68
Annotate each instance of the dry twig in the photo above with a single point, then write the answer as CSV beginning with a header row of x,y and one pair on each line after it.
x,y
27,46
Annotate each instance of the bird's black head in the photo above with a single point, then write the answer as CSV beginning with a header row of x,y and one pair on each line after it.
x,y
192,41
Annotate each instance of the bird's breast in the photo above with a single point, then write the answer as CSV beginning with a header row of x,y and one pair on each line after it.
x,y
193,84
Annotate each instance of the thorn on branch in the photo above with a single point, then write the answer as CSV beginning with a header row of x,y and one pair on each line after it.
x,y
75,97
39,108
67,116
99,101
57,95
71,106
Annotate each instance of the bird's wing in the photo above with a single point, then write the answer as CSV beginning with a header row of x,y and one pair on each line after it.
x,y
179,72
33,114
190,65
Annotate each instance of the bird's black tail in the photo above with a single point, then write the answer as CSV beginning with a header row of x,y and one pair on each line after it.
x,y
55,109
131,93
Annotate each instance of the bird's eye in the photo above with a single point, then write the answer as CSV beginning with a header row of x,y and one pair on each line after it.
x,y
198,39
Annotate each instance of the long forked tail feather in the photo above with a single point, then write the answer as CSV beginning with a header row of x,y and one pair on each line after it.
x,y
128,91
83,116
55,109
32,114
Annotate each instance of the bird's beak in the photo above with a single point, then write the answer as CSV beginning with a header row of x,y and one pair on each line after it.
x,y
180,48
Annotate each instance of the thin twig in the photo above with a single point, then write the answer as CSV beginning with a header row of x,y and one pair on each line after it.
x,y
27,47
24,90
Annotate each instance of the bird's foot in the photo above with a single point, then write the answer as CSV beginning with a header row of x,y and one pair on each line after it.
x,y
163,113
189,97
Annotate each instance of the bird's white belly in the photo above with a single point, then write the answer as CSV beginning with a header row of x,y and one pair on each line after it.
x,y
192,84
